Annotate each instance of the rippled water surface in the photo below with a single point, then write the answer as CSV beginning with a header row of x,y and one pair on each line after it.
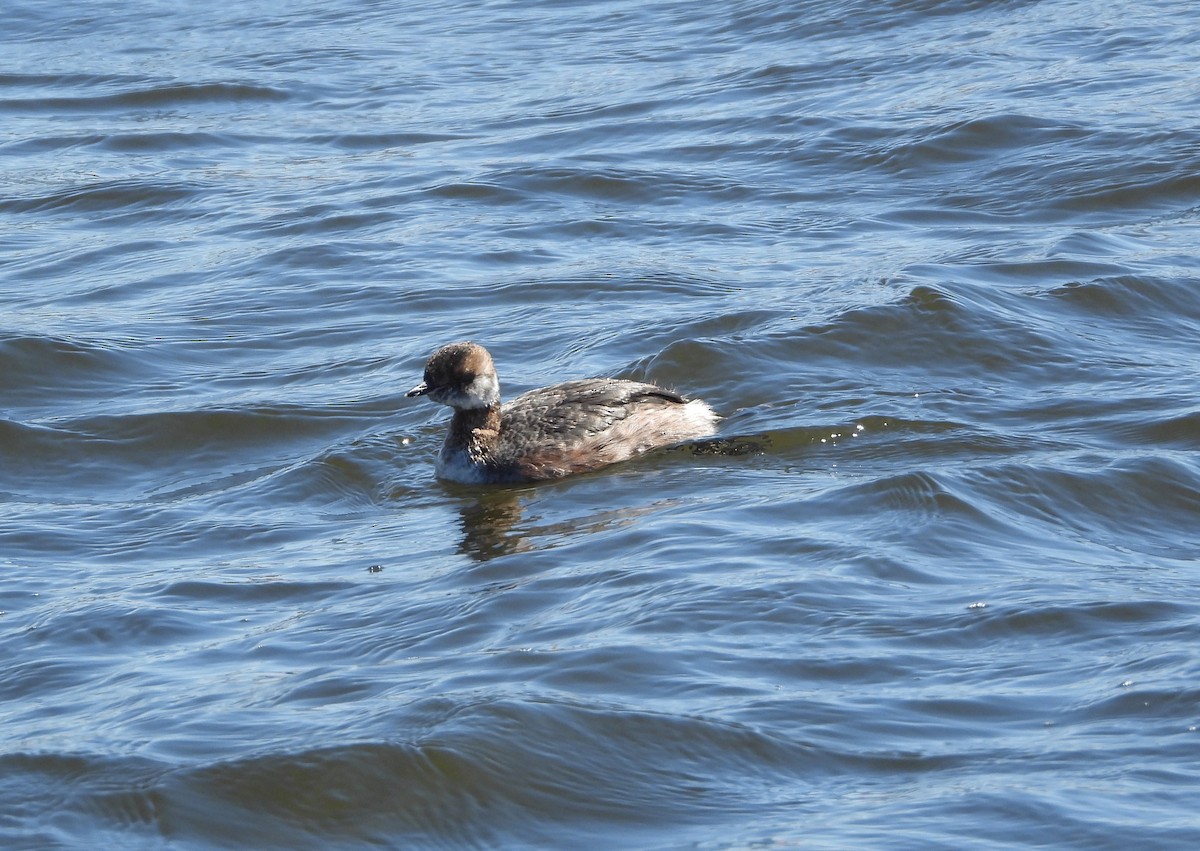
x,y
936,263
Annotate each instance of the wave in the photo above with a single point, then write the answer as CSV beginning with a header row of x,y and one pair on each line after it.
x,y
162,96
477,774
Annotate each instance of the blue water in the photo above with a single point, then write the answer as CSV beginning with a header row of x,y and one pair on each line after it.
x,y
937,264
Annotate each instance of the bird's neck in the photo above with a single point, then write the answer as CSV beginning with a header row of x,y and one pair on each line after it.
x,y
475,429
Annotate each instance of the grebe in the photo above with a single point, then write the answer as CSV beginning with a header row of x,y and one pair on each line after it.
x,y
568,428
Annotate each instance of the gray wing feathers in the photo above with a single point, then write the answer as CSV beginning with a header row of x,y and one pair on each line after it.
x,y
577,409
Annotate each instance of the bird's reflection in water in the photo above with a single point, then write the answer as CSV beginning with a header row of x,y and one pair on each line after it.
x,y
494,524
493,519
491,522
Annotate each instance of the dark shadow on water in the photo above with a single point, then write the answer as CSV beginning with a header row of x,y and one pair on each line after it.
x,y
784,442
730,447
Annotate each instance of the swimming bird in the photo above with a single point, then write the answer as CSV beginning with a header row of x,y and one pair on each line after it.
x,y
574,427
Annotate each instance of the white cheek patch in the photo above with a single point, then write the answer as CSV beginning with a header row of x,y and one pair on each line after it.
x,y
482,392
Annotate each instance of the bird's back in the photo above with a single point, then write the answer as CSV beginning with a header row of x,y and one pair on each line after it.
x,y
587,424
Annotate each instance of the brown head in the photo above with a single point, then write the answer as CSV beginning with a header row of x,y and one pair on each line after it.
x,y
462,376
